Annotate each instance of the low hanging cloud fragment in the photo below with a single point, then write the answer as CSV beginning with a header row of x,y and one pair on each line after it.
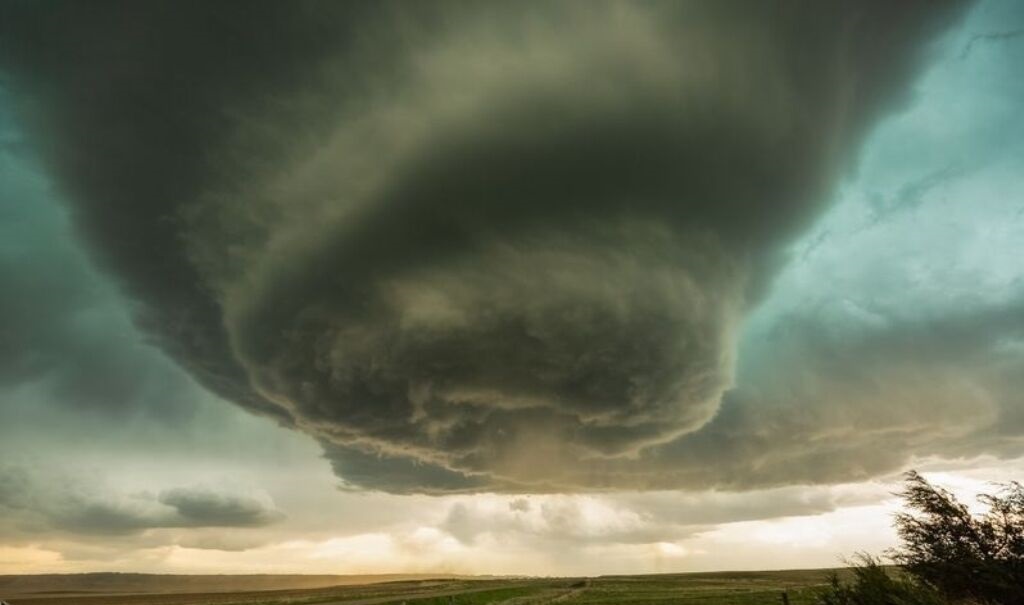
x,y
466,247
37,500
207,508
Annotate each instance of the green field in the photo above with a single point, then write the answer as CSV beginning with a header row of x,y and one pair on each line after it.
x,y
723,588
745,588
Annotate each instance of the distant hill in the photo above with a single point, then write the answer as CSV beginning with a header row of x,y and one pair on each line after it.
x,y
800,587
137,583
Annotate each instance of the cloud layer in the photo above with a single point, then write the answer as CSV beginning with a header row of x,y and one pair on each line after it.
x,y
495,247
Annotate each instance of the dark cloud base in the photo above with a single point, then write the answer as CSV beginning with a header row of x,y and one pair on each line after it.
x,y
469,246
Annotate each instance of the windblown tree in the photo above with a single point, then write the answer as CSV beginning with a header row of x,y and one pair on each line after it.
x,y
947,554
961,555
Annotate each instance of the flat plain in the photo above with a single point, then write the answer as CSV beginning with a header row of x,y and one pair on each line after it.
x,y
720,588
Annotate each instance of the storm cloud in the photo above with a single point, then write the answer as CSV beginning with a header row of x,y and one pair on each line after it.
x,y
66,343
637,518
487,246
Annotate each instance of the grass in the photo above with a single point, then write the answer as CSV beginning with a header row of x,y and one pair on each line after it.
x,y
483,597
754,588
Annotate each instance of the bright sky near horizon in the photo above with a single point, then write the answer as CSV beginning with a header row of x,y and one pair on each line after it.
x,y
369,299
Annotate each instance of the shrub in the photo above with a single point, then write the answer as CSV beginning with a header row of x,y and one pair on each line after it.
x,y
873,584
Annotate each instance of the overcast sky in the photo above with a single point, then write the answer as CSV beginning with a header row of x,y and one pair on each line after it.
x,y
545,288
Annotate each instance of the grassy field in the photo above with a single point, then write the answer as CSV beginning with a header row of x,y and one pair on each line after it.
x,y
725,588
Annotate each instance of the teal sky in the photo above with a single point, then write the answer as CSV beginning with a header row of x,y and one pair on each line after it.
x,y
404,344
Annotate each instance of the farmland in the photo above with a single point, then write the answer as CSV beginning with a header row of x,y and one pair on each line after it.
x,y
722,588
